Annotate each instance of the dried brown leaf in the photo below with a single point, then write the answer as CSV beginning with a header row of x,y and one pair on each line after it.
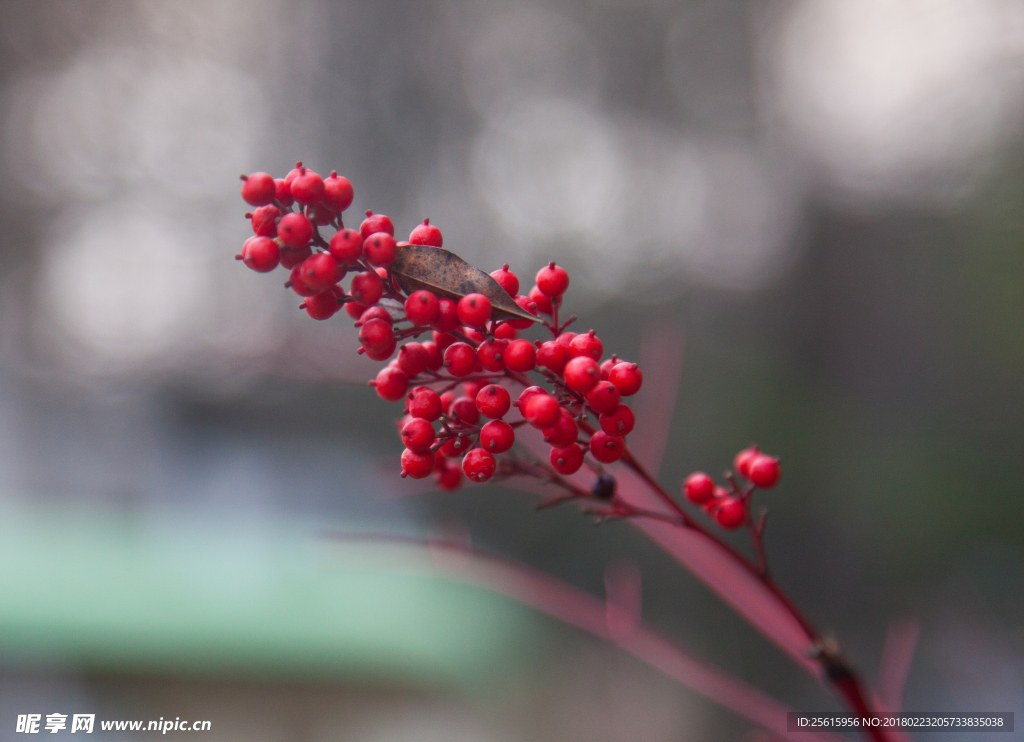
x,y
447,275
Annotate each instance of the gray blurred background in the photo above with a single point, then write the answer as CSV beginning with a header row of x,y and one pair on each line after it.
x,y
823,199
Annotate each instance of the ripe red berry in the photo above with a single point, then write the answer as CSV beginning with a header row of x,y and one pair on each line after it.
x,y
258,189
553,356
261,254
426,234
412,359
283,192
474,310
291,257
460,359
497,436
765,471
719,496
376,223
295,230
367,288
730,513
321,214
478,465
565,339
552,280
449,476
443,340
447,316
377,339
464,408
524,396
604,398
380,249
320,271
338,192
421,308
417,465
322,306
607,366
298,283
418,435
586,345
425,403
307,187
564,432
542,300
472,388
542,410
520,356
606,448
620,422
505,331
528,306
346,246
627,377
377,312
568,460
581,374
507,280
743,460
391,384
491,355
354,310
493,401
434,358
455,446
294,173
264,220
699,488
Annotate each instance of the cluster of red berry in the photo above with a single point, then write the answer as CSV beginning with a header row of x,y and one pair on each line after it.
x,y
730,507
468,346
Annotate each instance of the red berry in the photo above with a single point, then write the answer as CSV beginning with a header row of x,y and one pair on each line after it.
x,y
391,384
380,249
552,280
426,234
322,306
338,192
447,316
464,408
493,401
283,192
307,187
474,310
258,189
367,288
377,339
765,471
497,436
567,460
730,513
261,254
320,271
376,223
321,214
418,435
354,310
294,173
377,312
620,422
528,306
443,340
581,374
505,331
298,283
542,300
743,460
295,230
627,377
586,345
346,246
449,477
417,465
607,366
524,396
412,359
434,358
460,359
606,448
604,398
474,335
264,220
455,446
478,465
542,410
553,356
507,280
421,308
425,403
520,356
565,339
291,257
699,488
491,355
564,432
719,496
472,388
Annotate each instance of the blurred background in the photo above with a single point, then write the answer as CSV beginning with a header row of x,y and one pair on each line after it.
x,y
823,200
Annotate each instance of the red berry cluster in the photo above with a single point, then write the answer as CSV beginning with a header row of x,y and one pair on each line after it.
x,y
576,402
730,506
